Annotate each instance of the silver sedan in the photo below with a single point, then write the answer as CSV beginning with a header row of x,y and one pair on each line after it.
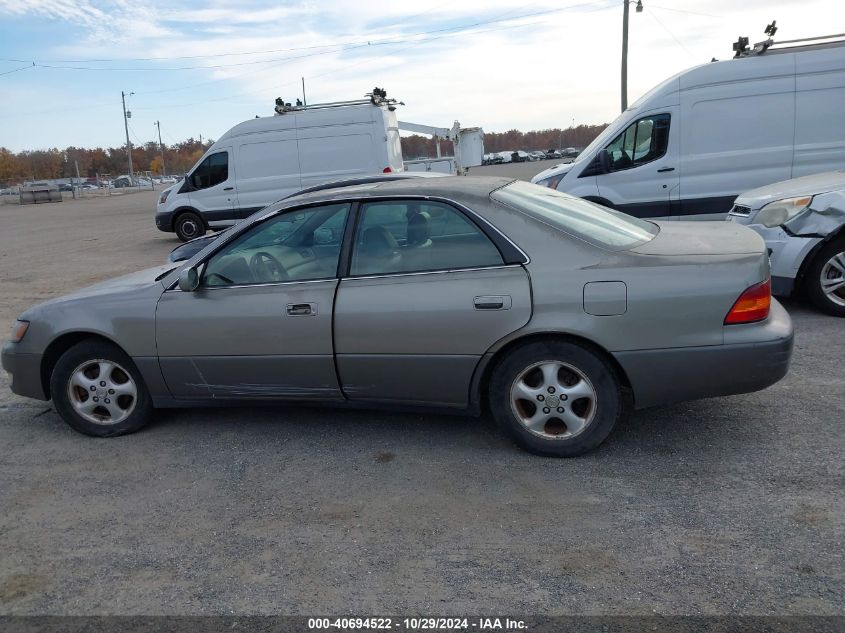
x,y
476,294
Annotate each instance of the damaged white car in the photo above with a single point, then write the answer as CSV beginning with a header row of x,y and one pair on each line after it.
x,y
803,223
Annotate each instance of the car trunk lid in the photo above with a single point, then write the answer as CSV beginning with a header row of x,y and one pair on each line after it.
x,y
702,238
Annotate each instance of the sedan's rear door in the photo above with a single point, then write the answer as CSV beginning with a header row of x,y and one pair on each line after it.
x,y
426,295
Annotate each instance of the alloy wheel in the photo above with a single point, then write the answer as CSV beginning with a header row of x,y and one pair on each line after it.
x,y
102,392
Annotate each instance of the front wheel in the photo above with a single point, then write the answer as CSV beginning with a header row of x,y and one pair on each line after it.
x,y
826,278
555,398
188,226
98,391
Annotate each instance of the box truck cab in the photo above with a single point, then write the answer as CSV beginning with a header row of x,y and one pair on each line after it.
x,y
264,159
689,146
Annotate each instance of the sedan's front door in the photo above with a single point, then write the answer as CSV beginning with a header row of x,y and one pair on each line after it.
x,y
427,295
260,324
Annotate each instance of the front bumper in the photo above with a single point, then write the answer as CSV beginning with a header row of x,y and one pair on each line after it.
x,y
25,370
754,356
164,221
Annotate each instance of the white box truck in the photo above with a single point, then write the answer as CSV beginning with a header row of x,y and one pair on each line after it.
x,y
689,146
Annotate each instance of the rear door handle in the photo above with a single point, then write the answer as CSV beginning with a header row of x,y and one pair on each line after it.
x,y
227,188
301,309
492,302
662,169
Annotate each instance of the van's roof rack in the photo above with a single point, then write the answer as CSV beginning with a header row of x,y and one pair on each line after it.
x,y
741,49
378,97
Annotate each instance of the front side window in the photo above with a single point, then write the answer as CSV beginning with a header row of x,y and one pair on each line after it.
x,y
211,171
582,219
416,236
297,245
643,141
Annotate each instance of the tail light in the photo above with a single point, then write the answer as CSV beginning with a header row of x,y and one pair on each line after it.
x,y
387,170
752,305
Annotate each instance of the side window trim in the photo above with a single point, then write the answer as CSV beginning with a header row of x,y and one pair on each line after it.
x,y
635,125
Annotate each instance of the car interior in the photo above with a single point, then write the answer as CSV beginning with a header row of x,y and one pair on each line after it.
x,y
393,237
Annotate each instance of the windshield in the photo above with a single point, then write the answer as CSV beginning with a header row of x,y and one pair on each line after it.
x,y
590,222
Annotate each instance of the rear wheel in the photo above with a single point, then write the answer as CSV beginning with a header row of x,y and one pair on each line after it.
x,y
98,391
188,225
555,398
826,278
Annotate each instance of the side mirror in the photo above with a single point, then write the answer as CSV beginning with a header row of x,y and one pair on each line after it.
x,y
604,161
189,280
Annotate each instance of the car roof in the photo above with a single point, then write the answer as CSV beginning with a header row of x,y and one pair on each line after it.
x,y
448,187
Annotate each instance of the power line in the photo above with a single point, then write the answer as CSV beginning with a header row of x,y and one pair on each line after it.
x,y
672,35
17,70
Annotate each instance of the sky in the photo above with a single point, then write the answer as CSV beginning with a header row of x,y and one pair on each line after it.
x,y
201,67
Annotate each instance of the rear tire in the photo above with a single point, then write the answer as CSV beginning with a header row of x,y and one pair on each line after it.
x,y
98,391
556,398
824,276
188,225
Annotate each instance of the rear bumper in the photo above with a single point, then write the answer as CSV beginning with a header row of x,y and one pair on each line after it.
x,y
755,357
25,370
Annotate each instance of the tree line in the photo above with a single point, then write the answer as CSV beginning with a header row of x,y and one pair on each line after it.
x,y
44,164
424,147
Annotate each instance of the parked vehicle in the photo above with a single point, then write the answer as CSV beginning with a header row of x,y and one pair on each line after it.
x,y
690,145
121,182
507,156
520,157
192,247
451,293
803,223
264,159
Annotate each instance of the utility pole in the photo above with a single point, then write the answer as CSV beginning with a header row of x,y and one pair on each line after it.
x,y
126,116
304,102
161,147
639,9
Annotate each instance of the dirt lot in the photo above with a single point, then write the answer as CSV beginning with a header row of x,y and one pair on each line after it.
x,y
732,505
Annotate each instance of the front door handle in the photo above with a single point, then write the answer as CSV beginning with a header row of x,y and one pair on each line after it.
x,y
227,188
663,169
492,302
301,309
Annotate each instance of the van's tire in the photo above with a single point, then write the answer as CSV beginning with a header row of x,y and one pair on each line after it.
x,y
98,391
826,269
576,388
188,225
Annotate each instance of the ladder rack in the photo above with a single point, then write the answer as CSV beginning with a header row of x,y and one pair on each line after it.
x,y
378,97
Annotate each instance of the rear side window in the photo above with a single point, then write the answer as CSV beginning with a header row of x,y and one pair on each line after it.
x,y
590,222
212,171
413,236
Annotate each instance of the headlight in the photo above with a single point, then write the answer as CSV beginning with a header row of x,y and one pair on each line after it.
x,y
18,331
552,181
780,211
164,195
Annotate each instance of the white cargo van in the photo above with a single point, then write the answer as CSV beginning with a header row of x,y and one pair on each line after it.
x,y
264,159
689,146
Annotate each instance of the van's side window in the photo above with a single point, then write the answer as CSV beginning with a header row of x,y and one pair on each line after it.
x,y
643,141
212,171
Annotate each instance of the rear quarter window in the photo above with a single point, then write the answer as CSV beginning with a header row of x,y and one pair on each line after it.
x,y
592,223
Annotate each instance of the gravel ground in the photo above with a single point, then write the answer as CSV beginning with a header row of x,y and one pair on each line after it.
x,y
724,506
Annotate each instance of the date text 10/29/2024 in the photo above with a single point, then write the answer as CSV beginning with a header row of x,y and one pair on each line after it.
x,y
416,624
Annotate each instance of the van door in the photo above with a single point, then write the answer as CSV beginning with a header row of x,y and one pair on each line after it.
x,y
641,174
268,169
819,120
211,186
738,132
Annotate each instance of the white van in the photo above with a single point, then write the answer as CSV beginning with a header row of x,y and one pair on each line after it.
x,y
689,146
264,159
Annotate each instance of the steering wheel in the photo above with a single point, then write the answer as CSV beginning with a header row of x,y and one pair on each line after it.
x,y
265,267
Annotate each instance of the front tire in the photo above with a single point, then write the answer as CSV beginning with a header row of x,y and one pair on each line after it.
x,y
188,225
555,398
825,280
98,391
